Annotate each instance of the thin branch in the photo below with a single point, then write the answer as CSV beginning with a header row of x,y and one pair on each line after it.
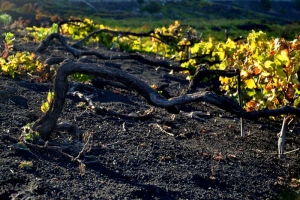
x,y
162,130
86,147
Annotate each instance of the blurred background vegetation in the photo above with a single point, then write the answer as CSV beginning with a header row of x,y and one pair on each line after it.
x,y
210,18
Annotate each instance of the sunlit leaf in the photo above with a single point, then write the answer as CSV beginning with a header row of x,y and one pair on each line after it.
x,y
50,96
45,107
250,83
221,55
222,66
285,54
224,80
251,93
269,65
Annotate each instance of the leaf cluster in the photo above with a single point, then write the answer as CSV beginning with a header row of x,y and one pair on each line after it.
x,y
20,63
268,69
29,135
40,33
5,19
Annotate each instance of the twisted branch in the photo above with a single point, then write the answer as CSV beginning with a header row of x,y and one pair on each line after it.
x,y
47,123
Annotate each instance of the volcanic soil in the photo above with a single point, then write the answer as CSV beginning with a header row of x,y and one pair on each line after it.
x,y
162,156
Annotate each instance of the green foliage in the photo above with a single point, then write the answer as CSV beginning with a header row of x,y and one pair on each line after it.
x,y
165,41
29,135
5,19
268,67
12,63
105,39
20,63
289,31
9,38
79,30
40,33
81,77
75,30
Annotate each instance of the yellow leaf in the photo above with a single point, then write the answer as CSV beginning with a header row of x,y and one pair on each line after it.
x,y
282,57
285,54
224,80
4,68
88,21
176,23
2,61
221,55
250,83
230,44
222,66
50,96
45,107
252,46
269,64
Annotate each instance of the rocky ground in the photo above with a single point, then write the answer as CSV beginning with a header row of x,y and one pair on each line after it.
x,y
160,157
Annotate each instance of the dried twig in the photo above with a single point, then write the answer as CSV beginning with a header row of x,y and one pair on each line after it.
x,y
161,129
88,137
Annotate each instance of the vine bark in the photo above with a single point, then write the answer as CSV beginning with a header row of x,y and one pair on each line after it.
x,y
46,124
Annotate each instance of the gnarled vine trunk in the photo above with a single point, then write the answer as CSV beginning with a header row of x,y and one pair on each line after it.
x,y
47,123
